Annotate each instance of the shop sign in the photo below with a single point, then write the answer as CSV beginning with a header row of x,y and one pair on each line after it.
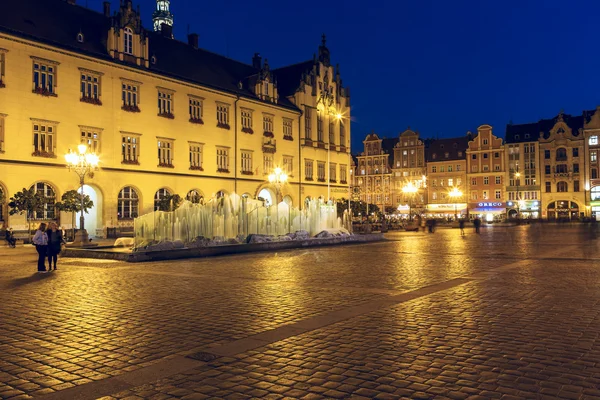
x,y
490,204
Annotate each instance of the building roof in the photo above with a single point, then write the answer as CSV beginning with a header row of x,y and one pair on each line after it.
x,y
530,132
57,23
288,78
452,146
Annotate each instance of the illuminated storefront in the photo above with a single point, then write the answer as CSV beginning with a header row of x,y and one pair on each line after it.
x,y
562,210
488,211
524,209
447,210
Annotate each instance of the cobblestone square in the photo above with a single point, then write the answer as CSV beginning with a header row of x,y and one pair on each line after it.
x,y
509,313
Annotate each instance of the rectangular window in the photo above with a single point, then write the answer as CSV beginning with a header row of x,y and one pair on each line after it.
x,y
223,116
593,140
575,152
496,155
457,167
268,125
497,180
485,141
434,196
498,194
320,171
485,195
44,77
91,138
474,157
343,173
44,139
165,103
576,186
331,132
449,168
195,109
165,152
2,67
474,195
308,170
434,169
287,129
450,182
332,172
247,162
593,156
222,159
2,133
442,169
474,168
576,168
548,187
196,156
130,148
90,86
130,97
307,123
247,120
473,181
288,165
547,169
547,154
319,128
342,137
267,163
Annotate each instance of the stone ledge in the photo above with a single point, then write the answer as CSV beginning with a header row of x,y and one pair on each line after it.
x,y
112,253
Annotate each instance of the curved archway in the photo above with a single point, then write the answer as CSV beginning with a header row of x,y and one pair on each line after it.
x,y
48,192
267,196
159,196
128,203
287,199
195,196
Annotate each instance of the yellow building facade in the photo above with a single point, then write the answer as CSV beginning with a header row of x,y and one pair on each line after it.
x,y
164,116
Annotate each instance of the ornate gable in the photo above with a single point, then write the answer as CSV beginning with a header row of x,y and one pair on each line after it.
x,y
594,122
127,38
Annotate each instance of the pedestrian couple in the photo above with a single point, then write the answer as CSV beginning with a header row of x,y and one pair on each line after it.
x,y
47,243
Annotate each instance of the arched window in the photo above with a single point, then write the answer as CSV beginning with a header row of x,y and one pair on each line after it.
x,y
562,187
595,193
47,192
127,204
195,197
561,154
128,41
159,195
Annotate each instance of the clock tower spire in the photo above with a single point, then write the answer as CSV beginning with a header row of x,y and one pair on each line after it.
x,y
162,14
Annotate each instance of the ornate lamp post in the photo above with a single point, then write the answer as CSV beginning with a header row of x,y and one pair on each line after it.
x,y
455,193
83,163
410,190
277,178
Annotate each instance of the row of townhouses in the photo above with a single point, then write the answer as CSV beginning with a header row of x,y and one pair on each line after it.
x,y
546,169
164,116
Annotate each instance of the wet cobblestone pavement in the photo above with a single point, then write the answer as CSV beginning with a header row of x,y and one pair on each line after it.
x,y
511,313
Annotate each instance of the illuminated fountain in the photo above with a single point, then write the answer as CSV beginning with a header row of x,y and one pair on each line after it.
x,y
232,219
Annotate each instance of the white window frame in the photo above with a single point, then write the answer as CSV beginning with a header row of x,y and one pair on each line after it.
x,y
288,165
498,180
593,156
90,136
128,41
45,76
166,149
268,163
332,172
3,67
268,123
44,137
593,141
222,159
196,151
127,203
130,148
498,194
308,123
343,173
223,115
246,157
308,169
288,128
319,128
130,94
166,102
90,85
247,120
196,108
321,171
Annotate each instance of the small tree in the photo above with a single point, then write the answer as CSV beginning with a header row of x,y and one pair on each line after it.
x,y
169,203
27,201
71,202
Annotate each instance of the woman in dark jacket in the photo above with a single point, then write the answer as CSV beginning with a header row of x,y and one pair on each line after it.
x,y
40,240
55,240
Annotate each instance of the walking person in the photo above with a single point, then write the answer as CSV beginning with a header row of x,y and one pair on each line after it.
x,y
461,225
40,240
55,240
477,224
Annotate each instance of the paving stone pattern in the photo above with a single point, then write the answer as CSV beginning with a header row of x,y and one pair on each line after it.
x,y
525,324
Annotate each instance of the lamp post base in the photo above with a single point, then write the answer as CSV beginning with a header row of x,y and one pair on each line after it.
x,y
82,240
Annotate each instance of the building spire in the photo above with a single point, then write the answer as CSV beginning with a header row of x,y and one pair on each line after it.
x,y
162,14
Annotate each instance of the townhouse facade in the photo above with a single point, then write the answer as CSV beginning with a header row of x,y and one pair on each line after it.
x,y
164,116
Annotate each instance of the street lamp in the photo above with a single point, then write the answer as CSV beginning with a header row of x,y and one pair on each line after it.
x,y
455,193
277,178
83,163
409,190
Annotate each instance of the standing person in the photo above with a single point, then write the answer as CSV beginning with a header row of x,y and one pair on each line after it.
x,y
55,240
40,240
477,224
461,225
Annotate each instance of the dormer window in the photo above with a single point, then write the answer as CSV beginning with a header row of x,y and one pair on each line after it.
x,y
128,41
153,60
80,37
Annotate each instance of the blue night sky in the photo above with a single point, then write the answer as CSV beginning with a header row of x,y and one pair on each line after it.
x,y
440,67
